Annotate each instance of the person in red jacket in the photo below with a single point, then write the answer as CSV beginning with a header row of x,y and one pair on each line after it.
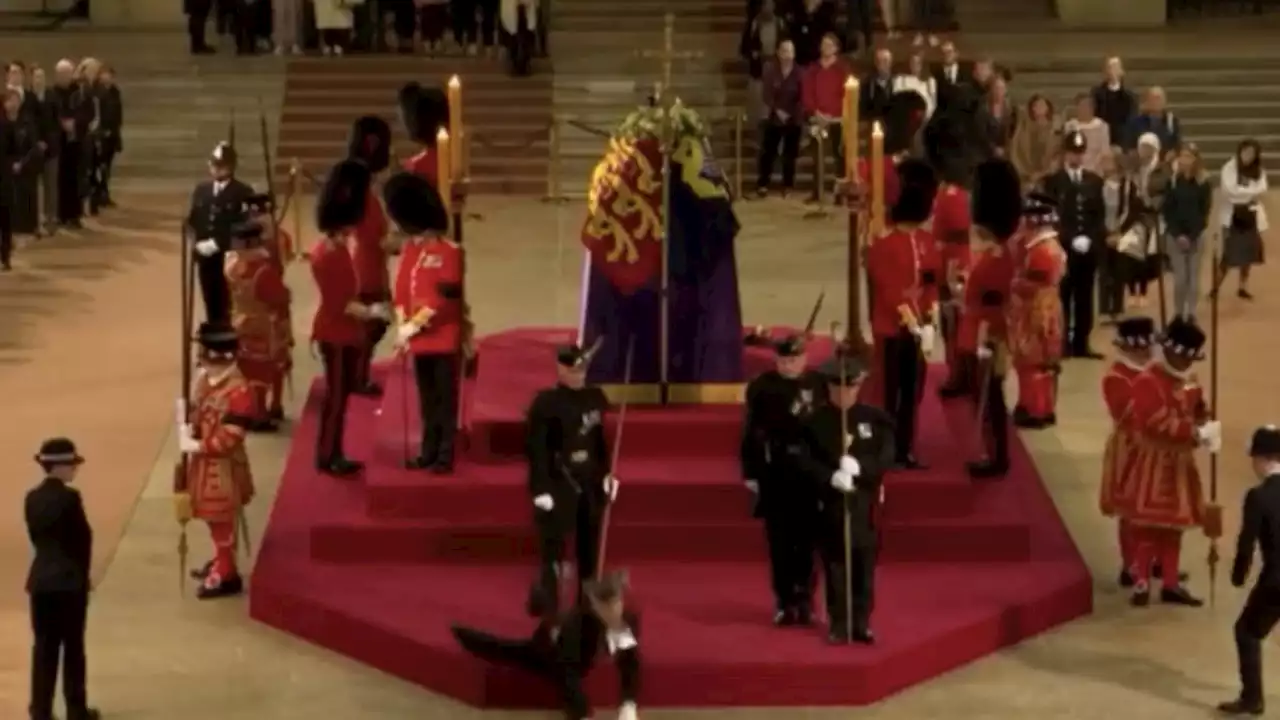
x,y
370,144
424,111
1035,314
338,327
982,337
822,95
429,314
951,228
259,314
906,267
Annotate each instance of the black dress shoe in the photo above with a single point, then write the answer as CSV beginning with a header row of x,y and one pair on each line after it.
x,y
85,714
1126,579
372,390
1242,707
202,572
1027,422
264,426
227,588
910,462
987,469
1141,598
804,615
1020,414
864,636
838,636
421,462
1180,596
784,617
277,415
341,467
1158,571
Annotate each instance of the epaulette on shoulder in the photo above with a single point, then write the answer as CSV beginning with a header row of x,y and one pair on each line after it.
x,y
450,242
950,190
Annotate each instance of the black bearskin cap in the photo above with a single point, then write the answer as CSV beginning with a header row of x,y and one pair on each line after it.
x,y
342,199
414,205
944,147
903,121
370,143
919,187
423,111
997,198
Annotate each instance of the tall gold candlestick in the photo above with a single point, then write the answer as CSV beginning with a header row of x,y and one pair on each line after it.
x,y
877,179
849,133
455,123
444,167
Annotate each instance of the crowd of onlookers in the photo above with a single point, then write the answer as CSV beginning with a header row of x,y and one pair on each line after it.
x,y
337,27
58,139
1157,201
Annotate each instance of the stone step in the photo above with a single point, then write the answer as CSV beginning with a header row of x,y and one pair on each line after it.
x,y
1243,77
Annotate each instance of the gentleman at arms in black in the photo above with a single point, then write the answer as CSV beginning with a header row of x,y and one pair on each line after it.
x,y
1259,526
570,478
58,582
564,647
778,404
217,206
848,447
1082,229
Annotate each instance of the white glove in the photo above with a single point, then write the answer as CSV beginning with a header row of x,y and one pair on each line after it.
x,y
620,641
207,248
1210,435
928,338
627,711
544,502
187,443
753,486
611,486
850,466
842,481
381,311
405,332
1081,244
180,411
984,352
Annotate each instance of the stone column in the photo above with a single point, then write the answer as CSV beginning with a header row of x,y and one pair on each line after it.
x,y
137,14
1109,14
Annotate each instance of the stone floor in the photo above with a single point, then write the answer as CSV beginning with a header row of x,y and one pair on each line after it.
x,y
88,347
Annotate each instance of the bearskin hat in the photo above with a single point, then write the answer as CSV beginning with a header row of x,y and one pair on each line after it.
x,y
918,186
996,203
370,143
414,205
423,111
903,121
343,197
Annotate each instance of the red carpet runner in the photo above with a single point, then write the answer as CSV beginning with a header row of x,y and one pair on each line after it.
x,y
378,569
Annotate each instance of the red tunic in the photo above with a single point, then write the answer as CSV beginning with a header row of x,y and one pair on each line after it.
x,y
1117,391
259,314
335,276
1035,307
986,293
367,253
424,164
1164,412
904,268
218,475
951,225
428,293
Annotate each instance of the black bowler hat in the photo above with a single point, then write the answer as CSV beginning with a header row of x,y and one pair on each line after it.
x,y
1265,442
1135,333
576,356
217,338
58,451
790,346
848,369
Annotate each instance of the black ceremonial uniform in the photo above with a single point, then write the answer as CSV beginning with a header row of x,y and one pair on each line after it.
x,y
870,441
1081,209
568,465
217,206
1259,526
59,585
777,408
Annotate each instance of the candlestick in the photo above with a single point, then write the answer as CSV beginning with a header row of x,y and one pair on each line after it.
x,y
877,179
455,123
849,121
444,167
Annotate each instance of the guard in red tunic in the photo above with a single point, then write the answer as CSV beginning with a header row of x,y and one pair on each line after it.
x,y
1135,339
218,482
259,315
951,226
424,111
982,337
1035,314
339,325
370,144
1168,422
906,267
429,313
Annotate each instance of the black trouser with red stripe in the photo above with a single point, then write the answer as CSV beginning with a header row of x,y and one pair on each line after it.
x,y
436,375
376,329
341,365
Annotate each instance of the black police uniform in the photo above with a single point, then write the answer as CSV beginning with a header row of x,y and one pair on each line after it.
x,y
870,441
1081,210
777,408
568,461
1260,526
58,584
216,209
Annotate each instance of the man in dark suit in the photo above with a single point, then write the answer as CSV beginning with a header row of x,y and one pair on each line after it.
x,y
58,582
875,91
217,206
952,78
1082,230
1259,526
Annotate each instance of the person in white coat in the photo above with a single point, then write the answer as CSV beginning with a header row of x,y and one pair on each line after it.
x,y
334,21
520,26
918,79
1241,214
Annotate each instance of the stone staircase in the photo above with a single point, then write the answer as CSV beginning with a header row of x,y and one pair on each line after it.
x,y
509,118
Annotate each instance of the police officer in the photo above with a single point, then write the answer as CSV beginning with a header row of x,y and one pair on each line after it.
x,y
850,445
1082,229
58,582
778,404
217,206
570,478
1260,526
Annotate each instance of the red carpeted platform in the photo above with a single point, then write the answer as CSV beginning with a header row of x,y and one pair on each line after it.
x,y
377,569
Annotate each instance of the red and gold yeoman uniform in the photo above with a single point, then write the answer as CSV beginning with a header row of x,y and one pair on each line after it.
x,y
1164,412
219,478
1035,318
1117,393
260,316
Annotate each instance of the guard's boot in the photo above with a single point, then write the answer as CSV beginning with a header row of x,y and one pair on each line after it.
x,y
228,587
421,462
804,614
1126,578
784,616
202,572
837,635
1141,595
862,632
1179,596
1240,706
987,469
341,467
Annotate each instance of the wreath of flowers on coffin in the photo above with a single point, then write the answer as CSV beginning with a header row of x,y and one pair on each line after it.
x,y
647,122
